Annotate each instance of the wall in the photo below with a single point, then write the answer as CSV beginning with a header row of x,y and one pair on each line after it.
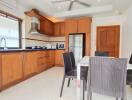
x,y
104,21
127,36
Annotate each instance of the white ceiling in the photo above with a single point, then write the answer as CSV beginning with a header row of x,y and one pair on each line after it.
x,y
53,9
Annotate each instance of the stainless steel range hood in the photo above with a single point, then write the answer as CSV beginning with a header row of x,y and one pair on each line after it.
x,y
35,26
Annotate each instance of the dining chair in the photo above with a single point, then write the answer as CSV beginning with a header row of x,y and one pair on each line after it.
x,y
107,77
74,67
129,73
70,73
130,60
101,53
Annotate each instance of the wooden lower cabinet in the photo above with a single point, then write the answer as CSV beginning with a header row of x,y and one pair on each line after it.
x,y
51,58
18,66
45,60
59,58
12,68
41,61
30,63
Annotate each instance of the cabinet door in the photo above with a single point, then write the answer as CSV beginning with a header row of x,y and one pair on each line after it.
x,y
42,27
41,60
46,27
71,26
56,29
84,25
62,29
11,67
50,28
30,63
59,57
52,57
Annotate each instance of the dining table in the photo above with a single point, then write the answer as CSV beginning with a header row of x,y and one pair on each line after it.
x,y
85,63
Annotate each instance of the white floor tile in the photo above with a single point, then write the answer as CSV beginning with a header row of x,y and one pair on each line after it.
x,y
46,86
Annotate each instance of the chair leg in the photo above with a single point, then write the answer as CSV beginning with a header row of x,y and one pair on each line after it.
x,y
68,82
62,86
84,89
85,85
122,98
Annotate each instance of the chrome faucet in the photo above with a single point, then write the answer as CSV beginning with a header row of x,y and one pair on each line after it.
x,y
3,39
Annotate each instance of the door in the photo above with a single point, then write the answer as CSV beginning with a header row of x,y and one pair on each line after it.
x,y
108,40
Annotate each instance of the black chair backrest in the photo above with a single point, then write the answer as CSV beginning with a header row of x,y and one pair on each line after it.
x,y
130,61
67,62
101,53
72,59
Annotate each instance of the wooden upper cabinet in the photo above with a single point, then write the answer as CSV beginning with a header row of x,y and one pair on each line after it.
x,y
46,27
70,26
12,67
59,29
30,63
84,25
62,29
81,25
56,29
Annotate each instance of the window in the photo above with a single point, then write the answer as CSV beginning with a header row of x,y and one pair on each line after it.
x,y
10,31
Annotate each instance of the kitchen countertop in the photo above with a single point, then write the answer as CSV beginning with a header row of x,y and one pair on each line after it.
x,y
21,50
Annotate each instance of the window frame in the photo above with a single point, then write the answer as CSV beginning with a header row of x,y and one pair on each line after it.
x,y
12,17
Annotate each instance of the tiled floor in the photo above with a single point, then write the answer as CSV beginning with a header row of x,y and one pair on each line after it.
x,y
46,86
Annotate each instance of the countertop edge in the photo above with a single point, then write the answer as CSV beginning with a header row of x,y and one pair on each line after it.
x,y
26,50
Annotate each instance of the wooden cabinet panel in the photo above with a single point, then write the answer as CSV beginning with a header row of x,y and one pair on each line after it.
x,y
59,58
45,60
57,29
52,58
30,63
62,29
12,67
46,27
84,25
70,26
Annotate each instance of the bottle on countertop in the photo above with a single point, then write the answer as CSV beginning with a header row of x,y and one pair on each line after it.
x,y
57,46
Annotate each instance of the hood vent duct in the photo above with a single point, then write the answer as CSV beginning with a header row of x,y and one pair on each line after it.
x,y
35,26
